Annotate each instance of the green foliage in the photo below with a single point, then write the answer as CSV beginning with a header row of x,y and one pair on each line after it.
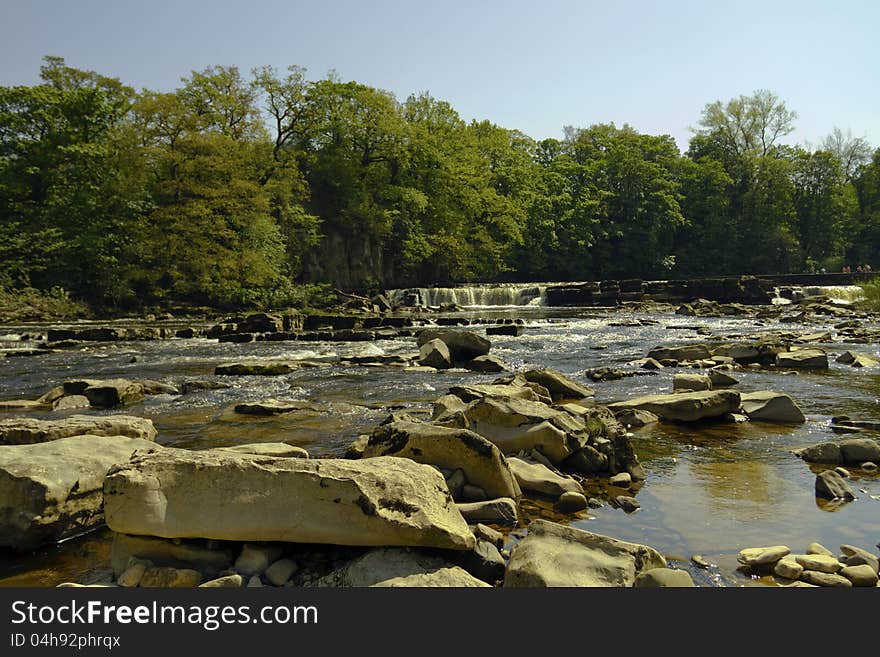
x,y
29,304
872,295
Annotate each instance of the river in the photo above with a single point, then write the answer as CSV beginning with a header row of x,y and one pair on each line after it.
x,y
710,490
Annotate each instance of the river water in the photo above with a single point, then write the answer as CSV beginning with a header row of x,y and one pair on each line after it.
x,y
710,490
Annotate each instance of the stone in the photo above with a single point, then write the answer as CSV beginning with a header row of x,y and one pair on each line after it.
x,y
558,385
652,364
627,503
281,450
762,556
688,352
843,472
133,575
664,578
501,511
805,359
397,567
446,406
264,368
456,483
827,452
280,572
553,555
199,385
471,493
481,461
859,450
106,393
822,563
485,533
384,500
856,556
818,548
825,579
587,460
234,581
158,387
862,575
255,582
435,353
691,382
538,478
25,431
280,407
685,406
720,379
830,485
858,360
255,559
53,490
23,405
165,577
634,418
572,502
469,393
463,345
622,480
483,562
161,552
487,364
768,406
788,568
71,402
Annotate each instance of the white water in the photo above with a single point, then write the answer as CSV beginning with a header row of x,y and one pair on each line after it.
x,y
477,296
839,294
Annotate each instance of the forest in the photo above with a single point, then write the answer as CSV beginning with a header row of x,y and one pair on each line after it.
x,y
254,190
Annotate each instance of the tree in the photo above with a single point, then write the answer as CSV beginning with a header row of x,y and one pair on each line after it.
x,y
748,125
851,152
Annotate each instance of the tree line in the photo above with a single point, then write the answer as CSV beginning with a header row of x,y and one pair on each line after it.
x,y
238,190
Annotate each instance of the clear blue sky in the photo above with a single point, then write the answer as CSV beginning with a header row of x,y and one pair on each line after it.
x,y
534,65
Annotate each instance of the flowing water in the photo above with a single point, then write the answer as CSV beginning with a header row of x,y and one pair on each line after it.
x,y
710,489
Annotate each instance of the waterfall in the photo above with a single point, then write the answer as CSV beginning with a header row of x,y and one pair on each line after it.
x,y
477,296
843,294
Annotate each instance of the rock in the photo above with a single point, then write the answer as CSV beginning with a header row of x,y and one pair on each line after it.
x,y
485,533
501,511
721,380
469,393
822,563
685,406
482,462
652,364
588,460
830,485
692,382
762,556
664,578
227,582
859,450
635,418
53,490
23,405
514,330
868,466
571,502
818,548
558,385
256,368
858,360
688,352
483,562
255,582
622,480
446,406
435,353
280,572
843,472
552,555
280,450
463,345
164,577
860,575
788,568
805,359
198,385
539,478
856,556
25,431
106,393
133,575
158,387
825,579
398,567
767,406
162,552
487,364
71,402
627,503
255,559
471,493
456,483
827,452
214,494
279,407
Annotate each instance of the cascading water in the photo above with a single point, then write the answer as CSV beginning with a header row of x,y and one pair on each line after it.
x,y
845,294
497,294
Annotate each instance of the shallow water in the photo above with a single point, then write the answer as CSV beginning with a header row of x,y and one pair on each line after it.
x,y
710,490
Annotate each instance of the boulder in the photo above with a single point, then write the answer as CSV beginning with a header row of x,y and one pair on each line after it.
x,y
803,359
768,406
275,368
469,393
685,406
572,502
818,548
385,500
463,345
860,575
721,379
687,352
858,360
482,462
830,485
71,402
281,450
635,418
762,556
24,431
825,579
435,353
501,511
106,393
514,330
538,478
858,450
483,562
400,567
788,568
664,578
279,407
856,556
823,563
553,555
691,382
827,452
53,490
487,364
446,406
196,555
558,385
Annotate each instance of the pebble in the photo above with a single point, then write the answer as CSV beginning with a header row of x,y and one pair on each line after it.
x,y
281,571
818,548
571,502
788,568
622,480
819,562
761,556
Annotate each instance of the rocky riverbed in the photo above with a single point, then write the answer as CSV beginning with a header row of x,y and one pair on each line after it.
x,y
471,448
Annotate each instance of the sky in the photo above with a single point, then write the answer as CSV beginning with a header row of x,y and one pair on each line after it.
x,y
531,65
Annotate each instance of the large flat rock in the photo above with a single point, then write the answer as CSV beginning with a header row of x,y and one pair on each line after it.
x,y
383,501
53,490
769,406
25,431
685,406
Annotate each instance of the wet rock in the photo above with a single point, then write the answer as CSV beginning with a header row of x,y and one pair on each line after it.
x,y
501,511
471,493
158,387
818,548
235,581
469,393
514,330
856,556
487,364
485,533
622,480
280,572
594,503
398,567
788,568
720,379
571,502
195,555
558,385
606,374
23,405
825,579
198,385
71,402
463,345
256,368
858,360
860,575
827,452
635,418
106,393
687,352
588,460
552,555
685,406
768,406
652,364
53,490
805,359
859,450
280,407
164,577
280,450
483,562
692,382
830,485
822,563
446,406
762,556
481,461
435,353
22,431
627,503
456,483
211,494
664,578
538,478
